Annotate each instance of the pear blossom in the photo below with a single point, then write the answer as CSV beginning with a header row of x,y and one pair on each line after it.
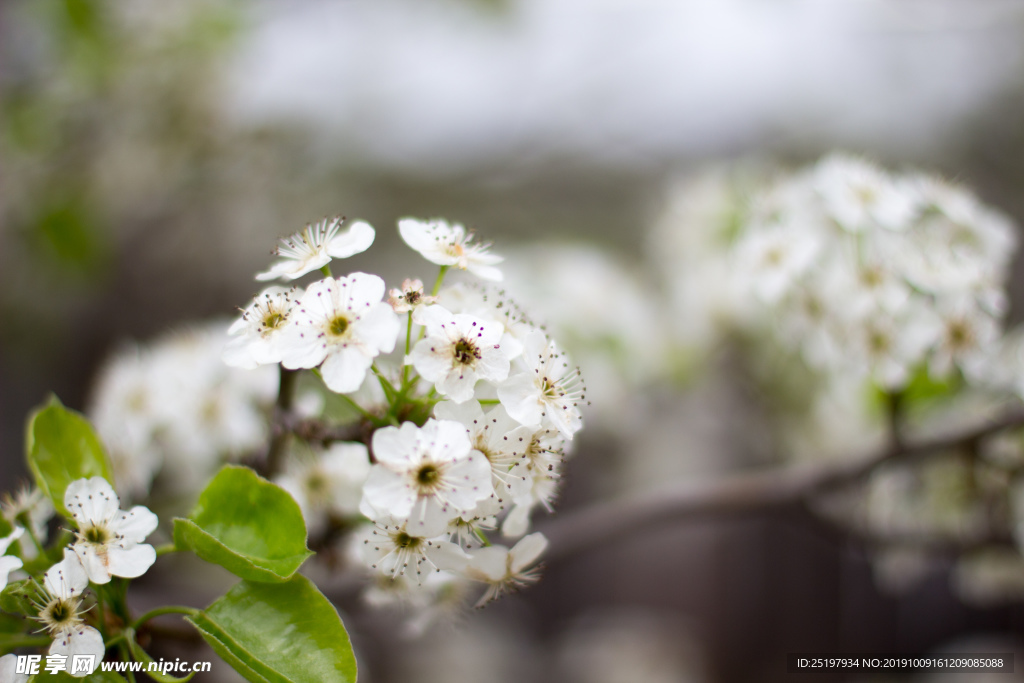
x,y
9,563
342,324
410,297
466,529
968,336
859,195
545,454
457,351
887,347
314,246
450,245
327,484
426,475
773,258
506,570
9,668
253,335
109,541
502,440
60,611
548,390
483,302
31,508
392,548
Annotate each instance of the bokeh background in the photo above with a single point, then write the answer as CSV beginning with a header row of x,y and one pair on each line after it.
x,y
152,152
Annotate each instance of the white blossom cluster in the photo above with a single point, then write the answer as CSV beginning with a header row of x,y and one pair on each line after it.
x,y
874,275
108,542
471,407
171,407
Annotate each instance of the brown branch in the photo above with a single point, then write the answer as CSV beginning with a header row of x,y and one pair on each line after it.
x,y
283,406
318,431
743,493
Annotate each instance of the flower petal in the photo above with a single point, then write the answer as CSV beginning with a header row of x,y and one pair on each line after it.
x,y
91,500
130,562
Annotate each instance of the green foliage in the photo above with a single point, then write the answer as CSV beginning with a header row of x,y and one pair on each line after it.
x,y
140,655
96,677
247,525
61,447
279,633
16,598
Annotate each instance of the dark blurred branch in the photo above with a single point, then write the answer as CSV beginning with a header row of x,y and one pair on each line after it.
x,y
582,530
283,406
318,431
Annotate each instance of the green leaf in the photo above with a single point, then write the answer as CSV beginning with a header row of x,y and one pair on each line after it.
x,y
9,642
247,525
61,447
11,624
16,598
97,676
279,633
141,655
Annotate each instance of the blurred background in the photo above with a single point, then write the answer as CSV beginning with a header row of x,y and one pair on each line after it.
x,y
151,153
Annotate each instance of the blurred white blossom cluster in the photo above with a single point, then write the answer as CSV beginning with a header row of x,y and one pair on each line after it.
x,y
874,275
843,278
467,408
864,303
171,407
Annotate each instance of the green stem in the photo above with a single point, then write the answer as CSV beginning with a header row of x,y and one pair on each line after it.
x,y
483,537
408,345
389,390
439,280
489,401
358,408
895,411
14,642
408,335
326,270
165,549
437,288
127,654
116,639
169,609
101,614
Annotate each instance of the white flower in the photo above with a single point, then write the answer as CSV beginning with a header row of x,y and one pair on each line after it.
x,y
769,260
342,323
544,457
253,334
457,351
449,245
886,347
8,670
327,484
61,611
859,195
109,541
9,563
506,570
968,338
30,508
548,389
426,475
315,246
465,531
390,547
502,440
410,297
